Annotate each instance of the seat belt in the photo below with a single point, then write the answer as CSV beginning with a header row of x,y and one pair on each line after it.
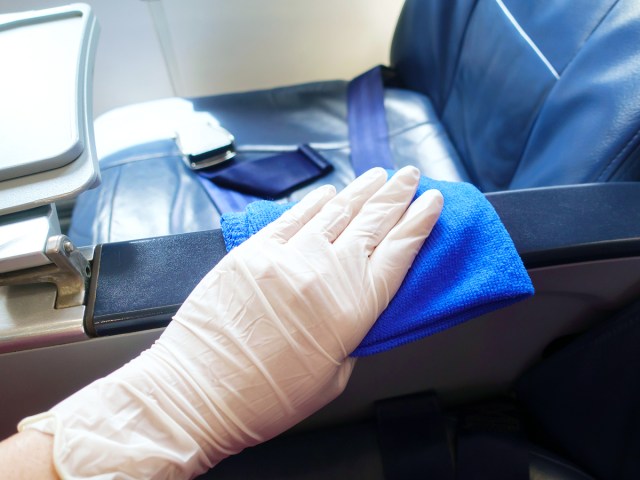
x,y
275,176
233,188
367,121
225,199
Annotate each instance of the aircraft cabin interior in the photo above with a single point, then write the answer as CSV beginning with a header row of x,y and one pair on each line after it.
x,y
135,135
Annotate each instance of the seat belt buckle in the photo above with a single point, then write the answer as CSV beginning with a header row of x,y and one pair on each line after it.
x,y
203,144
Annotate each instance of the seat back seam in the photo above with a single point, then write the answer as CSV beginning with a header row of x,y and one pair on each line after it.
x,y
458,56
602,176
527,38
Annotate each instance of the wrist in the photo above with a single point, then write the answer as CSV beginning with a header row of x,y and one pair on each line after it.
x,y
122,424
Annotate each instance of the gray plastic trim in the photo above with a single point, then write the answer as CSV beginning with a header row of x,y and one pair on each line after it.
x,y
480,357
64,171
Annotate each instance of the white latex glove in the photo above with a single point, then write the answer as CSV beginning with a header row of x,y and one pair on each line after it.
x,y
261,343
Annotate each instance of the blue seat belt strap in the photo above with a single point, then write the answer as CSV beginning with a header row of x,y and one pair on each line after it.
x,y
367,121
368,138
236,186
226,200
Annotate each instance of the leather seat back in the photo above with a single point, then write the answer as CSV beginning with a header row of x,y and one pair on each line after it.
x,y
531,93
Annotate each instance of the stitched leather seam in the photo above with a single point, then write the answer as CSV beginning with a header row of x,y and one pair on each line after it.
x,y
590,34
111,204
137,158
525,144
525,36
614,160
172,208
402,130
459,54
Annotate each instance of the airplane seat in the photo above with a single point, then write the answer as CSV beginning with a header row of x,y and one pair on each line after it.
x,y
506,94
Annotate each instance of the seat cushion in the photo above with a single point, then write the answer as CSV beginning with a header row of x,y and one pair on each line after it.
x,y
148,191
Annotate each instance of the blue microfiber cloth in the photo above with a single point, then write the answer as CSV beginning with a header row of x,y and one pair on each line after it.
x,y
467,267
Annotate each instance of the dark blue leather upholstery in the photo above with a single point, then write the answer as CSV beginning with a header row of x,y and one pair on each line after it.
x,y
509,94
147,190
531,93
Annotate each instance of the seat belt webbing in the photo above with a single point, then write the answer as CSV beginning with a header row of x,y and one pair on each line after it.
x,y
367,122
368,138
225,199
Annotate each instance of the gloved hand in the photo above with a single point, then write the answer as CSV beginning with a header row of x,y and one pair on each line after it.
x,y
261,343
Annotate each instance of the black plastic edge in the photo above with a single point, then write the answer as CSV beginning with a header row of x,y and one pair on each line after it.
x,y
89,326
574,223
140,284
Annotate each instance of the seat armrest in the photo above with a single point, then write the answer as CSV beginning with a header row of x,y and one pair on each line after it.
x,y
140,284
574,223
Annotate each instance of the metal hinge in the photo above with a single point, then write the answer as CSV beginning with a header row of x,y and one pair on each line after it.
x,y
70,271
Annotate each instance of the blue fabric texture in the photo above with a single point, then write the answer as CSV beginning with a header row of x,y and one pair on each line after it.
x,y
367,119
467,267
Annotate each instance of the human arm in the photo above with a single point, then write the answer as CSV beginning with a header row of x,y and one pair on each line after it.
x,y
261,343
26,455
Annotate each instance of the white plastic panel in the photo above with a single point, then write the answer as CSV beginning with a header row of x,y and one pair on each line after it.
x,y
217,46
46,130
40,105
